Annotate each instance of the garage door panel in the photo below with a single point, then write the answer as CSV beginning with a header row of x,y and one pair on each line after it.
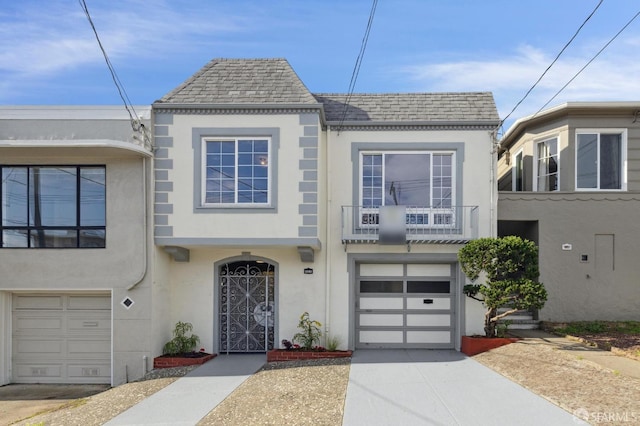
x,y
428,270
380,336
37,302
417,320
436,303
382,320
381,303
89,323
89,347
38,372
26,324
429,337
89,302
32,348
89,371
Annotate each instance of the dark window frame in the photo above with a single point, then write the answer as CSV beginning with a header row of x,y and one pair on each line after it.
x,y
78,228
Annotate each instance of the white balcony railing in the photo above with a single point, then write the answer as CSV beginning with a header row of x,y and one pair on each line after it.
x,y
456,224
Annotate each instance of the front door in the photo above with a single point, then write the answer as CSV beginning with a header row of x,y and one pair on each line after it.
x,y
247,311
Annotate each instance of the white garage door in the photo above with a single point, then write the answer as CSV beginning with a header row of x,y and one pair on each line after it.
x,y
61,338
405,306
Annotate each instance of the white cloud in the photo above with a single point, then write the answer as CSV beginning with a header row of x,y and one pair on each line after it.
x,y
40,41
612,76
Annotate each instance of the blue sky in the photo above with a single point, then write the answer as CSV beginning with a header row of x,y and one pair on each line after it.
x,y
48,53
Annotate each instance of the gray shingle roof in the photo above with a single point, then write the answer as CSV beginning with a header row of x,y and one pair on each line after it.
x,y
273,82
242,81
407,107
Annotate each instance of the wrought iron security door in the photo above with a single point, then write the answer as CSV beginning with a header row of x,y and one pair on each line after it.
x,y
247,310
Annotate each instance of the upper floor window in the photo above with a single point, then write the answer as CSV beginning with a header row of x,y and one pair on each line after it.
x,y
547,165
236,172
600,159
53,207
518,172
419,179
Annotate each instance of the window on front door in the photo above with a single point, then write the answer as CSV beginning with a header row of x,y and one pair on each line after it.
x,y
600,160
236,172
547,167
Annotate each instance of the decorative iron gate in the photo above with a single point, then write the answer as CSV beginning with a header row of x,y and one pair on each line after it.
x,y
247,310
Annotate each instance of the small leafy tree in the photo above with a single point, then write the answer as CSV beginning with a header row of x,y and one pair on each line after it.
x,y
510,265
181,343
309,332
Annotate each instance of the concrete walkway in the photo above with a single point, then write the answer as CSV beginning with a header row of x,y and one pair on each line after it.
x,y
190,398
438,387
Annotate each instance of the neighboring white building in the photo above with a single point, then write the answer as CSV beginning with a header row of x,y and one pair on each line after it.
x,y
262,201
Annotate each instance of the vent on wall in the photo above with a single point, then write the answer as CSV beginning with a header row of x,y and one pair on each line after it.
x,y
90,372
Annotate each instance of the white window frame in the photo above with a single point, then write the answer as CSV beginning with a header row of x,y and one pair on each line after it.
x,y
431,212
203,172
623,158
514,171
536,160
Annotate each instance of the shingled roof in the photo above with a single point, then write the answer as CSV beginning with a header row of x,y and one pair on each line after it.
x,y
272,82
408,107
242,81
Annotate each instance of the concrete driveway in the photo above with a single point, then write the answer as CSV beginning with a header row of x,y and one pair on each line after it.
x,y
19,402
438,387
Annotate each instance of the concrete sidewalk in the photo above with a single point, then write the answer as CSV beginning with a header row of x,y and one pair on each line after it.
x,y
438,387
190,398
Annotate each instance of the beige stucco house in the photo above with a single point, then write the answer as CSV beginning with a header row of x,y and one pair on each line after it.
x,y
271,201
569,179
249,201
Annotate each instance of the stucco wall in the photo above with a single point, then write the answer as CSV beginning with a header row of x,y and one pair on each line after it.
x,y
600,226
292,164
194,290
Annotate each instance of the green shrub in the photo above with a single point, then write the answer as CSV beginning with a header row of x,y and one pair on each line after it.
x,y
309,332
181,343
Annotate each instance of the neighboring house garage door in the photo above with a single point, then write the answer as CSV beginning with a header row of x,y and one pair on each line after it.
x,y
61,338
405,306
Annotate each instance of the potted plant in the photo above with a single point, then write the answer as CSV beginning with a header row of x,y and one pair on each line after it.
x,y
303,345
510,269
180,350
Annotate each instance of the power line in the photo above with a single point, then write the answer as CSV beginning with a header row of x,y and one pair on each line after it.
x,y
551,65
356,68
589,63
136,125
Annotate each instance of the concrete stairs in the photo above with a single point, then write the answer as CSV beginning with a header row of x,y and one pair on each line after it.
x,y
521,320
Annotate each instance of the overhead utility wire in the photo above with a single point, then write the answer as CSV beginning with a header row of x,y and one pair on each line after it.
x,y
549,67
589,63
136,125
356,68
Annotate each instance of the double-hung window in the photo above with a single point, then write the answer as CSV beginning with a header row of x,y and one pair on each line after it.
x,y
547,165
236,172
600,159
53,207
421,181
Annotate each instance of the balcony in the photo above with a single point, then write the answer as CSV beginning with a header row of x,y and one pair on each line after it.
x,y
422,225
